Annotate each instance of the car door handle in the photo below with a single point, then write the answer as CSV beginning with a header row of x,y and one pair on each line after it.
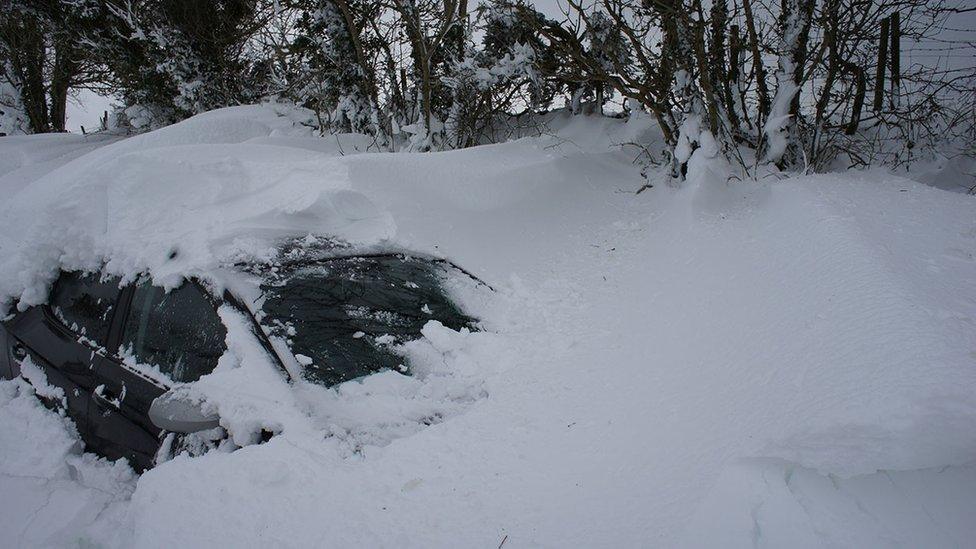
x,y
19,351
105,399
75,367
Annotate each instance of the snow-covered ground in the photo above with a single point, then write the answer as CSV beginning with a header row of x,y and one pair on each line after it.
x,y
747,363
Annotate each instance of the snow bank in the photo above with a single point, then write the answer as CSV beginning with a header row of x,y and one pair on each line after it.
x,y
26,158
53,495
770,503
827,293
21,150
652,369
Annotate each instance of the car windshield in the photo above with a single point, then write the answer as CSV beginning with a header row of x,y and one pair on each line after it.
x,y
340,317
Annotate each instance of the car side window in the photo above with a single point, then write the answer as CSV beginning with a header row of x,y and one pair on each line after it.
x,y
84,303
178,332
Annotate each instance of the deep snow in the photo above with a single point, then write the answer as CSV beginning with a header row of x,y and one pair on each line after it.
x,y
725,363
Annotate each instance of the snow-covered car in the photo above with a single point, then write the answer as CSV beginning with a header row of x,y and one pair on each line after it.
x,y
117,357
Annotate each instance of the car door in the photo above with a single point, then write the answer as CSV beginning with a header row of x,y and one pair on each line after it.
x,y
166,339
122,393
64,337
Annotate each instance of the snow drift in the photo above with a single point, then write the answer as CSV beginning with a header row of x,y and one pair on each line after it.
x,y
647,360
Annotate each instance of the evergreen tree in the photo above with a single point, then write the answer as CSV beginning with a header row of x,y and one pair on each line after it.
x,y
42,57
175,58
342,79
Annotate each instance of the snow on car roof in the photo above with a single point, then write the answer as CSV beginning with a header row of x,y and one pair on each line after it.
x,y
179,201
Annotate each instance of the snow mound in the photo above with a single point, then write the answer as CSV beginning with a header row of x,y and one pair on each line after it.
x,y
223,126
737,357
25,158
53,495
22,150
156,203
770,503
869,349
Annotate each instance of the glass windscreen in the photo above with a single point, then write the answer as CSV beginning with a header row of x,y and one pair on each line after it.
x,y
340,317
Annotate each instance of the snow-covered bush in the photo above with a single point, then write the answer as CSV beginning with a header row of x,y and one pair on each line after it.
x,y
339,87
13,121
794,84
176,58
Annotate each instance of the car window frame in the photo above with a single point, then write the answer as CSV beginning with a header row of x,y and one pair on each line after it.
x,y
118,327
258,330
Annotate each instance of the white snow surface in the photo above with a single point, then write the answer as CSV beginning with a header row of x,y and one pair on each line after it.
x,y
729,363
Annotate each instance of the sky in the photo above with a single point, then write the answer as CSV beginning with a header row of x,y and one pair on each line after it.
x,y
86,110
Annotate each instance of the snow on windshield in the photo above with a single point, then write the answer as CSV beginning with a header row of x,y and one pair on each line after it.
x,y
342,317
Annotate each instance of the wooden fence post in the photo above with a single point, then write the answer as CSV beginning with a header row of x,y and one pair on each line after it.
x,y
895,59
879,75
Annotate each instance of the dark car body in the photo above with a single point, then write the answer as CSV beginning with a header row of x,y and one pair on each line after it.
x,y
114,349
69,339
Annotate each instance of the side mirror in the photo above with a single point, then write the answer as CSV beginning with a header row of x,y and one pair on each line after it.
x,y
179,411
